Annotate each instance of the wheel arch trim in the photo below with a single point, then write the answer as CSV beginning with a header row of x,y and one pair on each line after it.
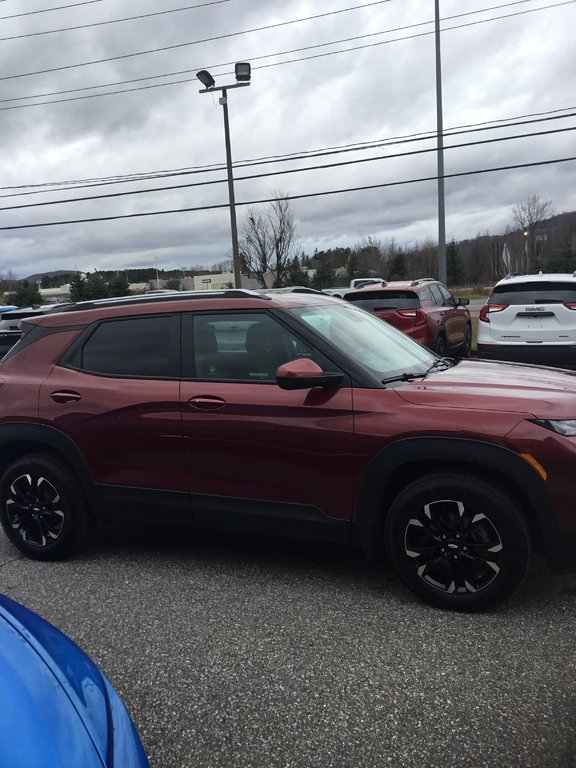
x,y
41,438
379,485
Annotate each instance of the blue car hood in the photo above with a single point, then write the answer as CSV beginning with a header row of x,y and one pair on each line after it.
x,y
58,710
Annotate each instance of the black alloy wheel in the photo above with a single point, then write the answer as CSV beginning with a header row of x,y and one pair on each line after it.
x,y
42,510
458,542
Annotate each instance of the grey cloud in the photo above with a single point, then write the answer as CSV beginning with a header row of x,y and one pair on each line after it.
x,y
505,68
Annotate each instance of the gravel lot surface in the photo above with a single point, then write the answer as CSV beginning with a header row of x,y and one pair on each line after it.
x,y
235,651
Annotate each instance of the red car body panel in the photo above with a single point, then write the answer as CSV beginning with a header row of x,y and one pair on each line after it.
x,y
129,431
261,442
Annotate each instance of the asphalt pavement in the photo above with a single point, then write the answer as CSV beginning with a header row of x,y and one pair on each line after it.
x,y
239,651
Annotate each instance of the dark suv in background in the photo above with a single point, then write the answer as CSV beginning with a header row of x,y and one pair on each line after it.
x,y
287,413
424,309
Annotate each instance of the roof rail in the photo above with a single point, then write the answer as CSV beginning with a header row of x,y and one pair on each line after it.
x,y
231,293
423,280
512,274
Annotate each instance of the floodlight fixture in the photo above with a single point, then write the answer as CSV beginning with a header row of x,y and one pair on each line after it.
x,y
206,78
242,70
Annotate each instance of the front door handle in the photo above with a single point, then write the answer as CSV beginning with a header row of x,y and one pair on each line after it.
x,y
66,396
206,402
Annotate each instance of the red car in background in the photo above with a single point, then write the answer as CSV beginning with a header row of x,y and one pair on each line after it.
x,y
423,309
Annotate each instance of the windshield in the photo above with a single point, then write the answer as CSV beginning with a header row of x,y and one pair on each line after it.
x,y
386,352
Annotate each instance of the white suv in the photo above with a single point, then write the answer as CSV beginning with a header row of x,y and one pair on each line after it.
x,y
530,318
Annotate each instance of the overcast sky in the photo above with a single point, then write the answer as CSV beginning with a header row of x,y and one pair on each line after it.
x,y
301,101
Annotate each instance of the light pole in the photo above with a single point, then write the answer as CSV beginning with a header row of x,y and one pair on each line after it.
x,y
440,152
527,236
243,73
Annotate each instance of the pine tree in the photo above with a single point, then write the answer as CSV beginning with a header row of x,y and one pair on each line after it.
x,y
96,287
118,286
25,296
296,275
77,287
324,276
454,264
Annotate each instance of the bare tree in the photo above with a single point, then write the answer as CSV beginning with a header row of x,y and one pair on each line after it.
x,y
527,215
268,242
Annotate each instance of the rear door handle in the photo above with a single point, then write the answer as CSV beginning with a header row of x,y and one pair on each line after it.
x,y
206,402
66,396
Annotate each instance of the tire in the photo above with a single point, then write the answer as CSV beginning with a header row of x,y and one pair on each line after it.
x,y
42,509
457,542
467,342
441,346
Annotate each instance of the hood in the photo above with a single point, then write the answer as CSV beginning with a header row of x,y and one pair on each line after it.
x,y
58,709
40,723
489,386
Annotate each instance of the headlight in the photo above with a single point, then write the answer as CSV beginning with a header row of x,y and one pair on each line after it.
x,y
565,427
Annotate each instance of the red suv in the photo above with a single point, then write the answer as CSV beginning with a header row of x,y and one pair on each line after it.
x,y
294,414
424,309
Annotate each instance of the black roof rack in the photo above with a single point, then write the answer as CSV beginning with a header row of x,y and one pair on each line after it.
x,y
231,293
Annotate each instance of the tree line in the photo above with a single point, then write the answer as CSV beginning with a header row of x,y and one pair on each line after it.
x,y
535,239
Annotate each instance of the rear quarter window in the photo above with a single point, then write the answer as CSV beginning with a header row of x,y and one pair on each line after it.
x,y
133,347
534,293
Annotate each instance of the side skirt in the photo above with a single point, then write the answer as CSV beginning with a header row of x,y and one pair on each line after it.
x,y
219,513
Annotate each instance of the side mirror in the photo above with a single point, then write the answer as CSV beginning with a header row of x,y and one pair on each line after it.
x,y
304,373
463,302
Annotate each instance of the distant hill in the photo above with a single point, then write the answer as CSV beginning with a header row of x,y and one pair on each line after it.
x,y
55,273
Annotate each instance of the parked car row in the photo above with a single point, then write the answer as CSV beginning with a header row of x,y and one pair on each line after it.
x,y
526,318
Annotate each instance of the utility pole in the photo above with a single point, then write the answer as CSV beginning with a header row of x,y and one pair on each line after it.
x,y
440,145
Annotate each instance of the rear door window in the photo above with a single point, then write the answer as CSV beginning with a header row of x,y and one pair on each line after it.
x,y
436,295
380,301
545,292
447,300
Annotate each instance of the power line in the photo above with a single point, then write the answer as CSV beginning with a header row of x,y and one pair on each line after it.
x,y
46,10
291,197
267,66
195,42
323,152
252,59
112,21
282,173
